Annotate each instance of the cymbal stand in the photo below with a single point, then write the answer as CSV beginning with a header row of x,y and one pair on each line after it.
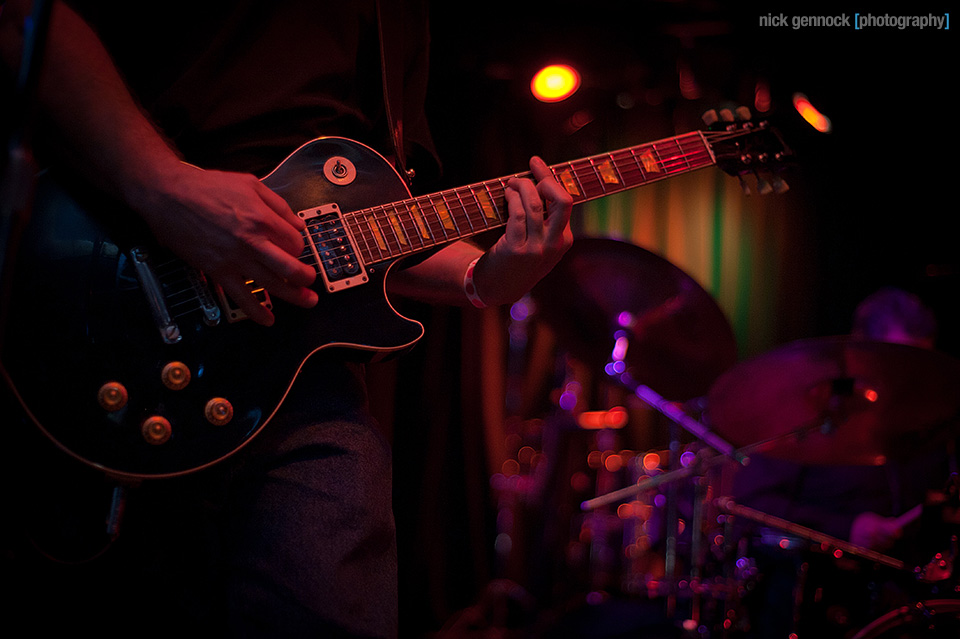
x,y
618,369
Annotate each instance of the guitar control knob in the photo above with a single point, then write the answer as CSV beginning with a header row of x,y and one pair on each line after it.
x,y
156,430
218,411
175,376
112,396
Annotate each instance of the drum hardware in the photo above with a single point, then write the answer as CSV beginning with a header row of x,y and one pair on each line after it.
x,y
624,310
940,567
826,542
931,619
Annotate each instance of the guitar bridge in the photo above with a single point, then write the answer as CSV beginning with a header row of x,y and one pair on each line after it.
x,y
337,261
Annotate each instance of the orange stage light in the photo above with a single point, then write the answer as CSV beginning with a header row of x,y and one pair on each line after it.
x,y
555,83
811,114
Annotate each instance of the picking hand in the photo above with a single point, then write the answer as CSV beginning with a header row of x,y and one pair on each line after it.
x,y
234,228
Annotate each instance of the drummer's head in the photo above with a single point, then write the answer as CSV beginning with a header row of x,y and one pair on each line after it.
x,y
894,315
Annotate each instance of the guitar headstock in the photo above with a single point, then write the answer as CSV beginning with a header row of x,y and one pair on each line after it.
x,y
744,147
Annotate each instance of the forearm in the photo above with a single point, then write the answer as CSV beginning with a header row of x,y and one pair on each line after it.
x,y
439,278
229,225
97,126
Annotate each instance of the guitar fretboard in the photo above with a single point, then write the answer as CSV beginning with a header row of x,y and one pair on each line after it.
x,y
390,231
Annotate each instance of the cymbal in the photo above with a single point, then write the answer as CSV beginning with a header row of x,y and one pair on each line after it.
x,y
838,400
679,339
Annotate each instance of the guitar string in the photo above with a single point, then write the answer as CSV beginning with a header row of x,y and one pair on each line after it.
x,y
472,211
383,212
399,241
393,212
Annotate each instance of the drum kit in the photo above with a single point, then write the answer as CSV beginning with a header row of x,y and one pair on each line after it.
x,y
662,526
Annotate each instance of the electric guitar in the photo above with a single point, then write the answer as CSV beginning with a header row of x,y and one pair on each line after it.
x,y
129,360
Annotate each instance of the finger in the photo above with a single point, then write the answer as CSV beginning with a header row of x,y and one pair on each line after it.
x,y
516,231
279,265
285,227
239,291
532,205
280,206
284,289
558,199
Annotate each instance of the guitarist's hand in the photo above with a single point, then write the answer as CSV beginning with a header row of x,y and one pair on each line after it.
x,y
233,228
537,235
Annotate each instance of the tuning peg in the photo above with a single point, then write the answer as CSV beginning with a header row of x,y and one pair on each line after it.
x,y
780,186
764,187
726,115
743,185
743,113
710,117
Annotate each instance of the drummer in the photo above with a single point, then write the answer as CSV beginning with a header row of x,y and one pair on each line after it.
x,y
871,506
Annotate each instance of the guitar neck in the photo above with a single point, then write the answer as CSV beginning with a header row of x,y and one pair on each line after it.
x,y
398,229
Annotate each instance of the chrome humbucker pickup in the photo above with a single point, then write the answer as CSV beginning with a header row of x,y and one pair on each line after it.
x,y
338,263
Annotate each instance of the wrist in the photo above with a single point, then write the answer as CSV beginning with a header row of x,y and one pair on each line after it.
x,y
470,285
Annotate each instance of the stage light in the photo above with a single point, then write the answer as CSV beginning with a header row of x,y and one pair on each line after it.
x,y
811,114
555,83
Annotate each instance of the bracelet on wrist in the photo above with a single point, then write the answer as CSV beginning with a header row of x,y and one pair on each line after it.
x,y
470,288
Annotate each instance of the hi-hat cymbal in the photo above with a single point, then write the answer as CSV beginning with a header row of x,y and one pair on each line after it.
x,y
838,400
679,339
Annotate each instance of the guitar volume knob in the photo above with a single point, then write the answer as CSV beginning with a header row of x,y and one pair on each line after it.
x,y
218,411
156,430
112,396
175,376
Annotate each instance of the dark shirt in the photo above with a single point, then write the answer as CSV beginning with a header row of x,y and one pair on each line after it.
x,y
239,85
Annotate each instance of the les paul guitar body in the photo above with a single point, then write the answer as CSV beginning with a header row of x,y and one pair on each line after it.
x,y
109,383
131,362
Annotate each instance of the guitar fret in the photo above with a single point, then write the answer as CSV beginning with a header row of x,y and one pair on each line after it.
x,y
407,241
586,177
471,209
360,229
642,178
611,172
437,221
493,213
393,225
421,225
391,232
407,226
603,174
577,175
450,218
568,181
464,209
481,216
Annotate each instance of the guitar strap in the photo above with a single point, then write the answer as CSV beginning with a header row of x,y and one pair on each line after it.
x,y
390,31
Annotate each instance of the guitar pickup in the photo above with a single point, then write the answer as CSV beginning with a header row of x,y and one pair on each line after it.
x,y
337,261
